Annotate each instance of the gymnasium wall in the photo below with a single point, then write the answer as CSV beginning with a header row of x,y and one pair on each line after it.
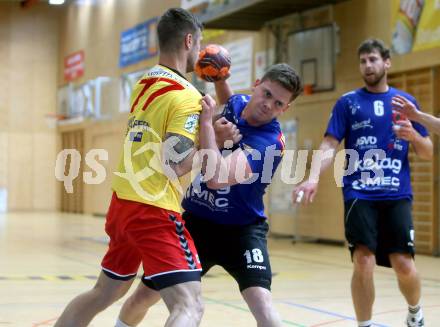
x,y
324,219
95,27
358,20
96,30
29,49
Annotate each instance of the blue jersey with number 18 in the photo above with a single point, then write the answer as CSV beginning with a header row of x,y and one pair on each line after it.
x,y
241,204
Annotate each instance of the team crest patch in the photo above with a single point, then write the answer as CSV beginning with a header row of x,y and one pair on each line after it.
x,y
191,123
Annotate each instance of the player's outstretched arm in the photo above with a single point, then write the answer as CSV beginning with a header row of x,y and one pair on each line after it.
x,y
321,161
422,145
408,108
430,122
223,90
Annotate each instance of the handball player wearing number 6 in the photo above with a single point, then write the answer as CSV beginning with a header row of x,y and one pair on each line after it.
x,y
377,194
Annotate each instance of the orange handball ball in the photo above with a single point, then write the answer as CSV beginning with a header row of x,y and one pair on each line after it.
x,y
213,63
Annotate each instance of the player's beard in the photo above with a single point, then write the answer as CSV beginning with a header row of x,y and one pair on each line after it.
x,y
191,61
378,78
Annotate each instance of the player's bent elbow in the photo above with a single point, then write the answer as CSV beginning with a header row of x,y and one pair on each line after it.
x,y
430,154
176,171
215,185
426,155
424,148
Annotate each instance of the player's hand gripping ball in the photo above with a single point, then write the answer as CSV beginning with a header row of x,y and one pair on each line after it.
x,y
213,63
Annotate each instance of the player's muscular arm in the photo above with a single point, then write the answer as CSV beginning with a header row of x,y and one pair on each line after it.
x,y
408,108
321,161
429,121
422,146
219,172
223,91
178,153
323,158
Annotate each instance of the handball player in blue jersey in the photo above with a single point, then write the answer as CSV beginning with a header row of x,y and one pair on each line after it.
x,y
376,187
224,212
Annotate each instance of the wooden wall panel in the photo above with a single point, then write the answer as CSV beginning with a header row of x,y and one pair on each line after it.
x,y
108,136
44,186
20,172
73,202
3,160
436,112
28,79
424,174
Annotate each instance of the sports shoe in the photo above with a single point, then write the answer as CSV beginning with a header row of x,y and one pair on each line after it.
x,y
412,321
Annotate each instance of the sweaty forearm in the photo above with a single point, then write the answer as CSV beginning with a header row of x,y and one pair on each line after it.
x,y
322,159
223,91
422,146
185,166
213,163
429,121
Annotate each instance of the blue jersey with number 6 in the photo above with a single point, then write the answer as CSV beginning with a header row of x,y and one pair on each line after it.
x,y
377,161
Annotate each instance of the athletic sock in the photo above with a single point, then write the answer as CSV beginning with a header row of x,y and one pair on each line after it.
x,y
413,309
366,323
119,323
415,316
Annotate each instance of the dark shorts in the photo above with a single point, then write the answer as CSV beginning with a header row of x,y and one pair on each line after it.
x,y
385,227
240,250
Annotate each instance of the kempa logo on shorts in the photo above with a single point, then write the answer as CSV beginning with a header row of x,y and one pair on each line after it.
x,y
411,236
256,267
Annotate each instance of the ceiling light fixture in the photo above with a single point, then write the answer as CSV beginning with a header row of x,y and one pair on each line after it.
x,y
56,2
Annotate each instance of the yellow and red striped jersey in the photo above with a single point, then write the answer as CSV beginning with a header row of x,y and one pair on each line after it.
x,y
162,102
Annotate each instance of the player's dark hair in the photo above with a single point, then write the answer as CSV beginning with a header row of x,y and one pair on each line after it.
x,y
286,76
173,26
370,45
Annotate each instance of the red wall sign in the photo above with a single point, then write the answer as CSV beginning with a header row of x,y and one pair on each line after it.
x,y
74,66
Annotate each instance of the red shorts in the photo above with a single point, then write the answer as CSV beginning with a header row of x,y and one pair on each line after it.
x,y
154,236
